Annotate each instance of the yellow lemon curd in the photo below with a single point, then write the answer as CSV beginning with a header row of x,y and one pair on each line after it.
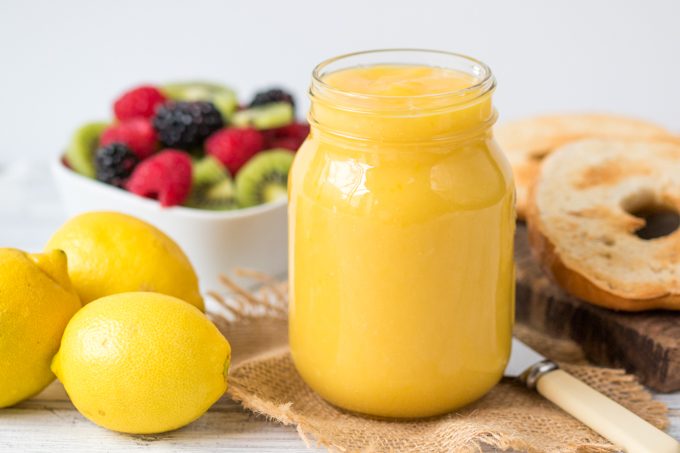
x,y
401,241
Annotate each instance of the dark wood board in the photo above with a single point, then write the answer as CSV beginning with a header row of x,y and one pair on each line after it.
x,y
646,344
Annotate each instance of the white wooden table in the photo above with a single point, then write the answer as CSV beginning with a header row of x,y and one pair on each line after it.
x,y
29,212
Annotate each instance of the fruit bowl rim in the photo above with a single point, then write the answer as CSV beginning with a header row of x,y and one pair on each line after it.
x,y
58,167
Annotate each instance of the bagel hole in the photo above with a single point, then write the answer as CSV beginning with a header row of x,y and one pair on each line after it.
x,y
661,219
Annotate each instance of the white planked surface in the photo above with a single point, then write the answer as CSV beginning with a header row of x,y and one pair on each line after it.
x,y
50,423
29,212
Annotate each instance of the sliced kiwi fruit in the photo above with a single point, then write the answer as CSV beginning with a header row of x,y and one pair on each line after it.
x,y
269,116
216,197
84,142
264,178
212,186
223,97
208,171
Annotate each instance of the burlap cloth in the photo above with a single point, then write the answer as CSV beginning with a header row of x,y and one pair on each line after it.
x,y
510,417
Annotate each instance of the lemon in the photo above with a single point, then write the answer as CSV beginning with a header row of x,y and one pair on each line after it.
x,y
142,362
112,253
36,302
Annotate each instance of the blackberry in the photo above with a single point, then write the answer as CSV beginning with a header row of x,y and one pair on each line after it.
x,y
114,164
185,125
272,95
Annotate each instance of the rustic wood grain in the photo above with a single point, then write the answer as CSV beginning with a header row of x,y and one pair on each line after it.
x,y
645,344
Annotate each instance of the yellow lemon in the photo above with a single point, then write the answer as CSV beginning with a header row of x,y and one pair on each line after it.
x,y
36,302
110,253
142,362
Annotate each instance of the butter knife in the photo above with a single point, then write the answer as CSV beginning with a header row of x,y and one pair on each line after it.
x,y
603,415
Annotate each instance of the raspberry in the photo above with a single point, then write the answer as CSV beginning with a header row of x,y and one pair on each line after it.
x,y
288,137
139,102
186,125
138,134
114,163
289,143
234,146
165,176
272,95
297,130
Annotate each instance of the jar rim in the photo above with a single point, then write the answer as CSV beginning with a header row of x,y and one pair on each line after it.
x,y
486,81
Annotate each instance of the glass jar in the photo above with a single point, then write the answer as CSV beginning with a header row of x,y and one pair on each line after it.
x,y
401,224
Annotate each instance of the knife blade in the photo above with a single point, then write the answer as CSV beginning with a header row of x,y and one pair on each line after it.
x,y
603,415
521,358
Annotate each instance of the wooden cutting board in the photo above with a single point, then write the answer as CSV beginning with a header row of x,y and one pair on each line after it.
x,y
646,344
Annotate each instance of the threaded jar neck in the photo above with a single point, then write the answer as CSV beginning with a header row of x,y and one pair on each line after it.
x,y
402,95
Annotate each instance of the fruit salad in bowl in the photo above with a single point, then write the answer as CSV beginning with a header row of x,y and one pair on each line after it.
x,y
186,144
198,164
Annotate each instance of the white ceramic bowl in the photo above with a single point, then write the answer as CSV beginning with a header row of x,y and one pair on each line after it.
x,y
215,241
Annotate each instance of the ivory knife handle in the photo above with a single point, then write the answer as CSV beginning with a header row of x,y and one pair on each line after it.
x,y
608,418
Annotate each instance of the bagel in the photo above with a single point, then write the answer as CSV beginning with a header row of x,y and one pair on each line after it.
x,y
582,228
526,142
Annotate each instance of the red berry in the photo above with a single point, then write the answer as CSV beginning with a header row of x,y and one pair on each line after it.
x,y
290,143
140,102
137,134
289,137
297,130
165,176
234,146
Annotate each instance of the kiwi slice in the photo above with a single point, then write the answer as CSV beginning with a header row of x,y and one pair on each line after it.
x,y
84,142
212,188
223,97
264,178
216,197
267,116
208,171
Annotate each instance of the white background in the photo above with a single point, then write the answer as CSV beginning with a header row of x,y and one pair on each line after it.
x,y
63,62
